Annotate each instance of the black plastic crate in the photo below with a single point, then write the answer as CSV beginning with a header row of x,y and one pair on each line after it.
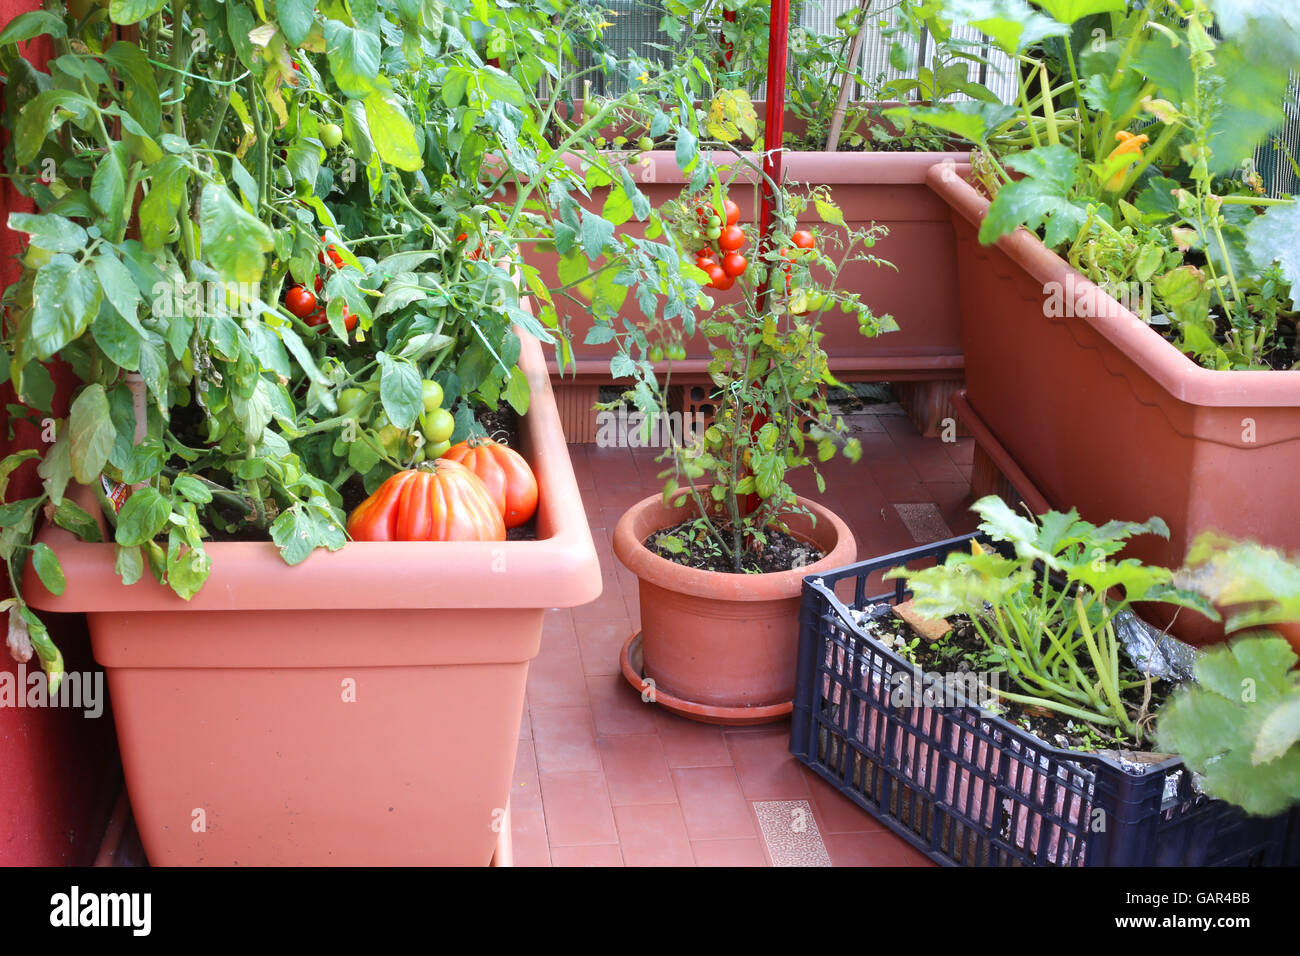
x,y
967,787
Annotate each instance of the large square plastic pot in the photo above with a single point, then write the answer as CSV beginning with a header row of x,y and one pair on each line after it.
x,y
362,708
1098,411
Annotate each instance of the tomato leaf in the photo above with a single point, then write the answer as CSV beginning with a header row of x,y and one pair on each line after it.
x,y
400,390
142,518
353,57
47,567
91,434
25,26
234,240
392,132
72,517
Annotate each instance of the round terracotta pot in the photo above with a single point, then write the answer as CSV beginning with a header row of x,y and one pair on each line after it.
x,y
722,640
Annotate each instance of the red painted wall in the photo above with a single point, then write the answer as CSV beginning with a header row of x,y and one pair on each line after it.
x,y
59,771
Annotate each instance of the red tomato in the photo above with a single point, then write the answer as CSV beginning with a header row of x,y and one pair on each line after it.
x,y
320,282
716,275
440,501
733,212
300,302
725,283
734,264
705,262
316,318
803,239
732,238
509,480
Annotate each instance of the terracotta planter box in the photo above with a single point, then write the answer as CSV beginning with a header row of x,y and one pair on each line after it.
x,y
887,188
1099,412
718,647
361,708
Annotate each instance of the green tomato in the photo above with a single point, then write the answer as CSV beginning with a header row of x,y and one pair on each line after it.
x,y
645,144
36,257
437,425
420,454
715,222
656,353
677,352
590,108
432,395
331,135
349,399
391,437
713,232
436,451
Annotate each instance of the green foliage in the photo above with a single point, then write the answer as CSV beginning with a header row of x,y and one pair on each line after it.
x,y
1239,725
1113,100
183,186
1047,614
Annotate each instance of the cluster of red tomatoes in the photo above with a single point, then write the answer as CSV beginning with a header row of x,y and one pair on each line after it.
x,y
725,264
306,305
800,239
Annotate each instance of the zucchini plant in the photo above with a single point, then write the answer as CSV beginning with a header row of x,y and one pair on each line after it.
x,y
1047,612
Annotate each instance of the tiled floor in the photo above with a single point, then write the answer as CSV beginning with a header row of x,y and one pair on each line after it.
x,y
603,779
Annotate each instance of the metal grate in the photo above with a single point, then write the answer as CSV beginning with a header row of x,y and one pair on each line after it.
x,y
636,29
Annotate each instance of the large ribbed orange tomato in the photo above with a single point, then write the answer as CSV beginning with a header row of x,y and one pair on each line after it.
x,y
439,501
509,480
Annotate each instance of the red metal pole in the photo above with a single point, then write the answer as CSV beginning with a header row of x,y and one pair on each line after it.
x,y
774,131
727,51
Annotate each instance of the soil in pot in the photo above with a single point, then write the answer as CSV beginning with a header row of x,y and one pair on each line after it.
x,y
683,545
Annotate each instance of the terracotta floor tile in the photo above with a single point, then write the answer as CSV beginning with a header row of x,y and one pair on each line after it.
x,y
525,789
525,722
610,606
617,707
528,838
712,803
577,809
565,739
691,744
878,848
635,770
961,451
557,629
605,854
765,766
601,642
729,853
653,836
835,812
555,678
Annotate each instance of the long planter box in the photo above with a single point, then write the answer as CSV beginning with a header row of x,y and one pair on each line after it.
x,y
1099,412
967,787
886,188
361,708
